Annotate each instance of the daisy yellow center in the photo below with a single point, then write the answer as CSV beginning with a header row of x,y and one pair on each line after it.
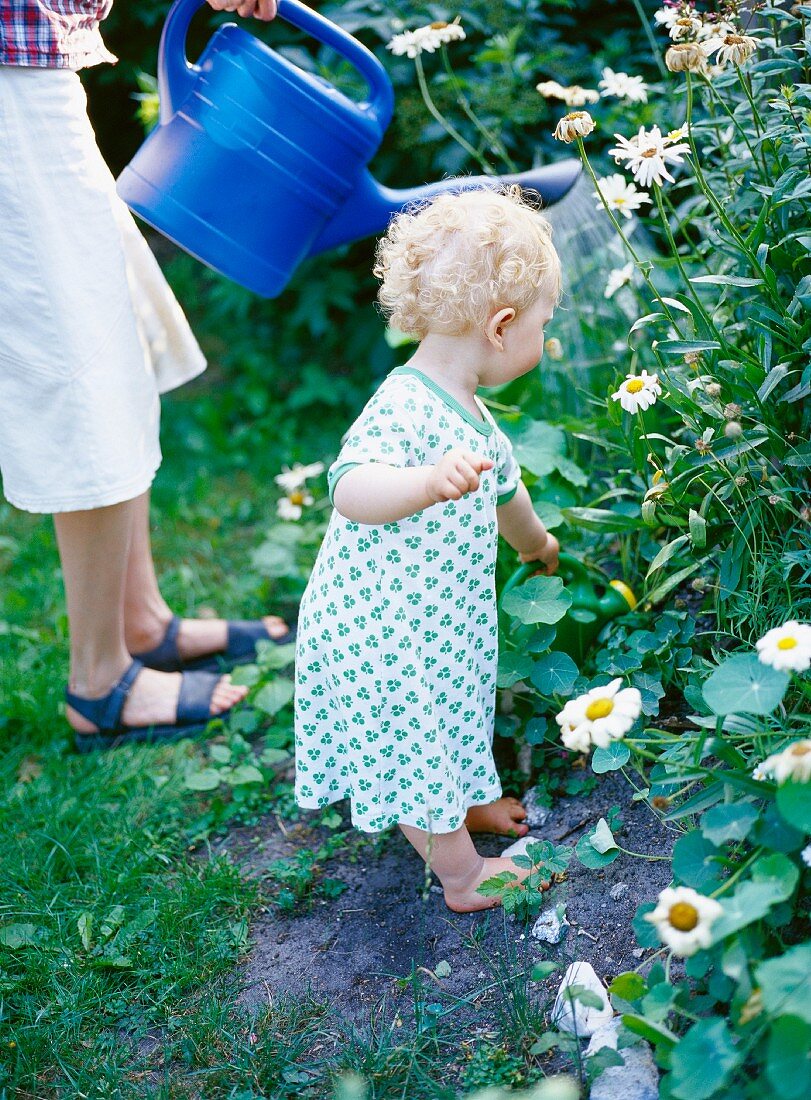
x,y
438,26
635,385
600,708
683,916
787,643
619,200
297,498
652,152
733,40
799,750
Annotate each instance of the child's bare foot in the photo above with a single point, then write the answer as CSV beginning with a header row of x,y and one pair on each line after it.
x,y
504,817
464,899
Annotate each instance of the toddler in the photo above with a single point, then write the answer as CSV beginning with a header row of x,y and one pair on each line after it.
x,y
397,637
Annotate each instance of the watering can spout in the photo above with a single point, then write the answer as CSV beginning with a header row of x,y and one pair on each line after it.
x,y
370,206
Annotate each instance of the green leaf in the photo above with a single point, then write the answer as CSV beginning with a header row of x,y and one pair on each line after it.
x,y
729,822
609,760
693,862
273,696
698,529
601,837
645,932
703,1061
773,880
679,347
777,870
208,779
494,886
785,983
726,280
601,519
513,667
590,857
542,970
794,804
555,674
538,600
744,685
657,1034
630,986
18,935
788,1068
244,774
220,753
274,756
85,926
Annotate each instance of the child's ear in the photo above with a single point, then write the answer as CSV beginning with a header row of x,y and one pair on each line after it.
x,y
497,325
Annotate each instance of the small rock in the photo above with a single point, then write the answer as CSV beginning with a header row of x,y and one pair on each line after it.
x,y
638,952
537,814
519,847
604,1037
637,1079
551,925
573,1016
617,891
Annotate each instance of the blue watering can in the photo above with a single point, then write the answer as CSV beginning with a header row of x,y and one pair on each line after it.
x,y
256,163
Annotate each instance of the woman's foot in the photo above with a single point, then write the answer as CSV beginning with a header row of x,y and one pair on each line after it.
x,y
195,638
504,817
153,698
462,897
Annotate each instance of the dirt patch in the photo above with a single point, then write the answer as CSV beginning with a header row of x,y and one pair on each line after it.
x,y
359,949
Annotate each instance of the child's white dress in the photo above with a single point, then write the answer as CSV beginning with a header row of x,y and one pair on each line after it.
x,y
397,632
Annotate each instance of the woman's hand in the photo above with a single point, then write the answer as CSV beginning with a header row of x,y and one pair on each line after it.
x,y
456,474
545,551
259,9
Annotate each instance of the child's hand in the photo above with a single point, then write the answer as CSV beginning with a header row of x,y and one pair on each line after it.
x,y
546,552
456,474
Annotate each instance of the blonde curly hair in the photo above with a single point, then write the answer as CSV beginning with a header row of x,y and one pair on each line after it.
x,y
446,266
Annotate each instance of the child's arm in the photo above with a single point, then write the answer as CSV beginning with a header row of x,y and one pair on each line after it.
x,y
522,529
375,493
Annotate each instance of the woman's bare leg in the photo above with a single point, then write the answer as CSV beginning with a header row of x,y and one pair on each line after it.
x,y
459,867
95,547
146,613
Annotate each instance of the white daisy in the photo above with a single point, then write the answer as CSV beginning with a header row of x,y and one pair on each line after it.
x,y
638,392
793,762
602,715
685,28
292,479
426,39
623,86
287,508
618,277
737,48
550,89
666,17
647,154
684,919
573,96
620,194
575,124
786,647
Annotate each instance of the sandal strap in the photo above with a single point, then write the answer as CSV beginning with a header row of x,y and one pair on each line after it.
x,y
194,701
243,634
105,713
165,657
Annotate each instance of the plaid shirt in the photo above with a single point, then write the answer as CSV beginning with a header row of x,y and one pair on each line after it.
x,y
53,34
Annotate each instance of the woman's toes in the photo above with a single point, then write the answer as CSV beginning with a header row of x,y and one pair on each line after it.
x,y
226,695
275,626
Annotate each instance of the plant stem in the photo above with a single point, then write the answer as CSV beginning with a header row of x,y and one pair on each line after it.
x,y
497,146
443,122
708,321
654,45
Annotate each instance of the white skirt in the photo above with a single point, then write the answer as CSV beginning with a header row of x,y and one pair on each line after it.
x,y
90,332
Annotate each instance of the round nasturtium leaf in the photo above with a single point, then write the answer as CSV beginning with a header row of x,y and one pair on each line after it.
x,y
744,685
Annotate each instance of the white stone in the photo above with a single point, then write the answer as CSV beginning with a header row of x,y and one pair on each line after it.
x,y
637,1079
537,815
551,925
617,891
519,847
570,1015
604,1037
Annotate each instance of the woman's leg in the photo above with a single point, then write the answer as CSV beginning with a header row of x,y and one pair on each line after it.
x,y
146,613
459,867
95,548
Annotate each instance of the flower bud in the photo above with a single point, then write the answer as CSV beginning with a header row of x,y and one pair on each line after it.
x,y
686,57
732,411
575,124
733,430
712,389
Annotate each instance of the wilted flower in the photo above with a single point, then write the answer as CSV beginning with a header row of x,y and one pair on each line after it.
x,y
685,28
686,57
793,763
737,48
684,919
617,278
426,39
292,479
786,647
638,392
647,154
602,715
553,348
573,96
575,124
623,86
620,194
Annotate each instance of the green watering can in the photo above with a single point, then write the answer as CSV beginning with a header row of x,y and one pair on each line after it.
x,y
594,603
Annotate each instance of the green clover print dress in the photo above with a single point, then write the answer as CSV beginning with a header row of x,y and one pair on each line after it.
x,y
397,632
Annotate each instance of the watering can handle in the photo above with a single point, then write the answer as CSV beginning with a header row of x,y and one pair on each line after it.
x,y
569,567
176,76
